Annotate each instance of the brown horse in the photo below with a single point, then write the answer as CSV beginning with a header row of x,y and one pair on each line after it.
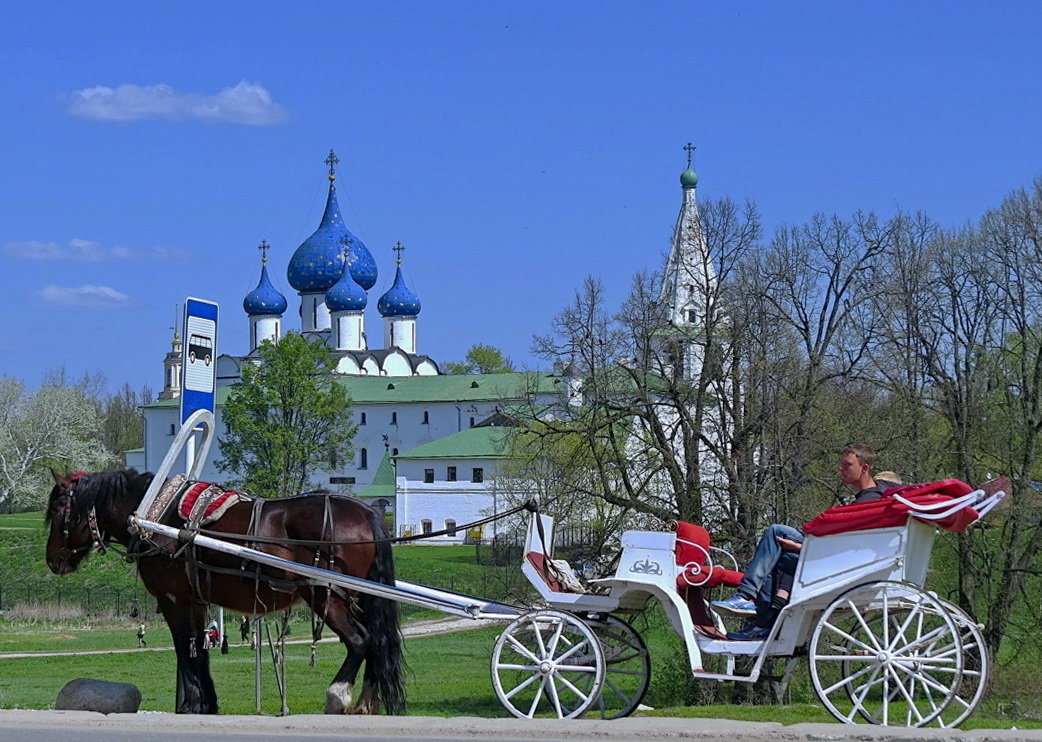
x,y
333,532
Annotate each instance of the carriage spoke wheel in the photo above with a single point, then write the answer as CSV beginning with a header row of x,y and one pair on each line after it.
x,y
887,653
547,663
627,667
976,669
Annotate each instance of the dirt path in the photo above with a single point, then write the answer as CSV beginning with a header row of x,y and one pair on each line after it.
x,y
429,627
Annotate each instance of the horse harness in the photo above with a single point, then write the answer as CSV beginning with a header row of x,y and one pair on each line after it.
x,y
97,538
201,503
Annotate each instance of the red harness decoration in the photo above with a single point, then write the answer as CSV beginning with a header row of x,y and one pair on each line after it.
x,y
204,502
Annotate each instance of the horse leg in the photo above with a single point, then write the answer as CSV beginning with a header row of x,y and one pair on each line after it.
x,y
195,691
336,612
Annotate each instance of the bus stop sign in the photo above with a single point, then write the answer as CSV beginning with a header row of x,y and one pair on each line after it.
x,y
199,359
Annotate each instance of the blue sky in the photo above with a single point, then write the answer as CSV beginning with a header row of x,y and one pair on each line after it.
x,y
146,149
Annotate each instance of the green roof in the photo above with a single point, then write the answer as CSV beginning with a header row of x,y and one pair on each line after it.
x,y
383,484
443,388
488,442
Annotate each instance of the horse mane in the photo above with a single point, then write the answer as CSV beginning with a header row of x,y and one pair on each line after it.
x,y
104,489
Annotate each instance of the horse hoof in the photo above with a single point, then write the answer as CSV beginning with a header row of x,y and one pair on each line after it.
x,y
338,698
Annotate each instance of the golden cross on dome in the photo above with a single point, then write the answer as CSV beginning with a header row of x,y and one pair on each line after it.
x,y
689,148
398,248
332,161
264,247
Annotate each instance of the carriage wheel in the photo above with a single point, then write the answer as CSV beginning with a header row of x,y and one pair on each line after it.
x,y
887,653
547,662
976,668
627,667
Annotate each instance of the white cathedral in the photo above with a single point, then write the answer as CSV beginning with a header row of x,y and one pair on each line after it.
x,y
429,446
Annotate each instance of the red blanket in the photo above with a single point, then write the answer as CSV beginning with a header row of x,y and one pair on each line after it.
x,y
887,512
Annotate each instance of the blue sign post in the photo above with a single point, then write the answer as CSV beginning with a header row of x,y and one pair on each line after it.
x,y
199,359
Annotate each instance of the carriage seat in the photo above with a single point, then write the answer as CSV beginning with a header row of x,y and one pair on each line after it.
x,y
896,505
694,555
556,573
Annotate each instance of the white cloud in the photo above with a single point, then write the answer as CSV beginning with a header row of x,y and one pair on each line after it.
x,y
87,251
246,103
88,296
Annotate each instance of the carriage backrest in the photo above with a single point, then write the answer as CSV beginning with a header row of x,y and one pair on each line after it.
x,y
694,556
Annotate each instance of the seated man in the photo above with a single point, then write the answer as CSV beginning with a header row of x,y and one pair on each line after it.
x,y
777,553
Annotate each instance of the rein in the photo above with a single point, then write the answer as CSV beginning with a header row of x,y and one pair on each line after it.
x,y
530,505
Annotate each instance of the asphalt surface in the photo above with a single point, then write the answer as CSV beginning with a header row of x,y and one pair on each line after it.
x,y
75,726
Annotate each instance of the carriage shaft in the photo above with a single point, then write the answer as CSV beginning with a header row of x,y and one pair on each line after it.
x,y
402,592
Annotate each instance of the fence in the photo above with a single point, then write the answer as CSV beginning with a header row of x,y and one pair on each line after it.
x,y
93,600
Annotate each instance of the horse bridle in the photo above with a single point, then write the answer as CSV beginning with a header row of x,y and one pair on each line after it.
x,y
97,538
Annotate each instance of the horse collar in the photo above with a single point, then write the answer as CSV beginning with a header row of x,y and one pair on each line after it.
x,y
98,541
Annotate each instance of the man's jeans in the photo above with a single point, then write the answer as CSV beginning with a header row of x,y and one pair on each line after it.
x,y
769,556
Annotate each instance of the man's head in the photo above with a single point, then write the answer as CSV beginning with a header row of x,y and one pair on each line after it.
x,y
855,466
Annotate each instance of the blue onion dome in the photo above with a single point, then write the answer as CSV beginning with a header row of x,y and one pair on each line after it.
x,y
265,299
345,295
361,263
317,264
399,300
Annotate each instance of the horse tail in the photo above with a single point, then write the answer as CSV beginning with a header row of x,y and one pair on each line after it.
x,y
385,665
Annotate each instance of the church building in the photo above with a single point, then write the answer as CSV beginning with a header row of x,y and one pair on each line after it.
x,y
429,445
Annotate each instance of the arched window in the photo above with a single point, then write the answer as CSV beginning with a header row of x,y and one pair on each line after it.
x,y
363,458
361,420
450,526
394,418
425,525
426,417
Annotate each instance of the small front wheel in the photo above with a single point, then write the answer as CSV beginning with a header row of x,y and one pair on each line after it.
x,y
547,663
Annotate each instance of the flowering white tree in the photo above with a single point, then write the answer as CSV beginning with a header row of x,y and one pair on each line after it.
x,y
57,426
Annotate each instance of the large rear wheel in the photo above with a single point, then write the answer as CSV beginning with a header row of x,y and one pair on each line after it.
x,y
886,653
547,663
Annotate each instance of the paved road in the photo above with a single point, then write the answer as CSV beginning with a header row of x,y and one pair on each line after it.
x,y
75,726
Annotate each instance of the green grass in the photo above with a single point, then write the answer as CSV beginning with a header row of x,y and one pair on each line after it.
x,y
449,674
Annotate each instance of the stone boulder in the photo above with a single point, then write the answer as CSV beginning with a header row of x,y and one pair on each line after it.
x,y
85,694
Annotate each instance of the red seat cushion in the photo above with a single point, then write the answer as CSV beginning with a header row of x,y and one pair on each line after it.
x,y
694,559
539,562
887,512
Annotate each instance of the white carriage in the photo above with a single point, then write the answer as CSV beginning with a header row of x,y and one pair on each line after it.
x,y
881,649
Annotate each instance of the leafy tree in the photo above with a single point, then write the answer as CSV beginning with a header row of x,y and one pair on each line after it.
x,y
57,426
287,418
123,426
481,359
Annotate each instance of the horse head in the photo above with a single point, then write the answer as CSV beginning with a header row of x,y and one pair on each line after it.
x,y
71,537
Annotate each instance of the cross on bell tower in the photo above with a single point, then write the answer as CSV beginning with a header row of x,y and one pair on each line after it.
x,y
690,149
332,161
